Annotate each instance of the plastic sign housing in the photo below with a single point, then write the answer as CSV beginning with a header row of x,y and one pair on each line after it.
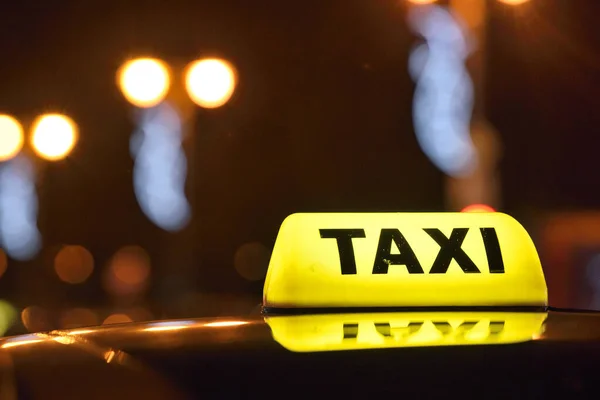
x,y
403,260
330,332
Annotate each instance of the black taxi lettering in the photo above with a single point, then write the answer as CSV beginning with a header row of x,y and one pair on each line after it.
x,y
385,329
384,258
446,329
496,327
350,331
345,248
492,250
450,249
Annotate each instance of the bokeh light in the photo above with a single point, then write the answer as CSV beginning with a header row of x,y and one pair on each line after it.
x,y
478,208
251,261
53,136
210,82
128,271
77,318
144,81
422,1
73,264
139,314
35,319
513,2
8,314
11,137
19,234
3,262
118,318
160,168
438,67
131,265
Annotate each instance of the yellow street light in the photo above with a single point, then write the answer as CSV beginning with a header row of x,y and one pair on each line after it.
x,y
11,137
53,136
144,81
210,82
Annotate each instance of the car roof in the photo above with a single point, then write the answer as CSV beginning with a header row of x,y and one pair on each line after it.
x,y
240,357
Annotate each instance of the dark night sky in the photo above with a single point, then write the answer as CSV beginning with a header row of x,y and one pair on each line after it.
x,y
544,68
321,120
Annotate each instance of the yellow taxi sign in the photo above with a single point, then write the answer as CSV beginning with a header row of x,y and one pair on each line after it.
x,y
403,260
330,332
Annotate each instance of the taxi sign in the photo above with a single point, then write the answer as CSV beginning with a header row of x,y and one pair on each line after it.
x,y
330,332
346,260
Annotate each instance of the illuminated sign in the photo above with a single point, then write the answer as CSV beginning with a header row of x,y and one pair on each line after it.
x,y
331,332
403,260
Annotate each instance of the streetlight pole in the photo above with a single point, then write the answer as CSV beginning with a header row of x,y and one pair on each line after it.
x,y
146,83
179,247
52,138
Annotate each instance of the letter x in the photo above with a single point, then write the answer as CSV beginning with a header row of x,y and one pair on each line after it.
x,y
450,249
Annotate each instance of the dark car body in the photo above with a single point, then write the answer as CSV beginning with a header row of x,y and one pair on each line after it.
x,y
218,358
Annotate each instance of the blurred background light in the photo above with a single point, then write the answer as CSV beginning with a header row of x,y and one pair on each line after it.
x,y
3,262
18,209
144,81
160,168
116,319
478,208
251,261
128,271
77,318
443,98
11,137
73,264
53,136
131,265
210,82
139,314
36,319
8,315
